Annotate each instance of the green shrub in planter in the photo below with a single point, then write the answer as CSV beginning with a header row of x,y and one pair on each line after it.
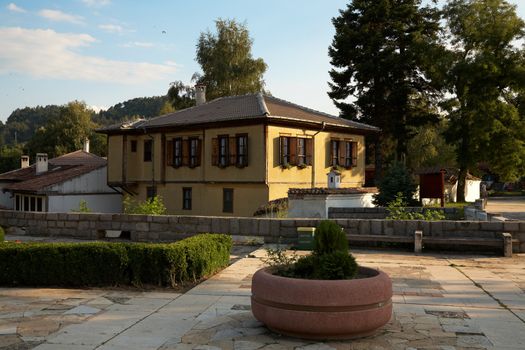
x,y
329,238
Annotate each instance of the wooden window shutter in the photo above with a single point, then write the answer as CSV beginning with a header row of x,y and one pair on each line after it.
x,y
199,152
342,153
293,150
281,150
330,160
169,152
215,151
185,152
354,153
232,150
308,144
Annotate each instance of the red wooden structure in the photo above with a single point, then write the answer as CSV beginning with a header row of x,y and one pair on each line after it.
x,y
432,185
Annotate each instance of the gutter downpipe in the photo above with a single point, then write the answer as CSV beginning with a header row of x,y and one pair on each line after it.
x,y
313,154
152,160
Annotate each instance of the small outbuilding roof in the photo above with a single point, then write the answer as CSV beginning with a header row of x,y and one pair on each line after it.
x,y
451,174
60,169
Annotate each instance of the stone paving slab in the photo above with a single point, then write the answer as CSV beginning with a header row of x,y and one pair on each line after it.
x,y
440,302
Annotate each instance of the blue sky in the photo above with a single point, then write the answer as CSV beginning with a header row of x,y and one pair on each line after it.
x,y
108,51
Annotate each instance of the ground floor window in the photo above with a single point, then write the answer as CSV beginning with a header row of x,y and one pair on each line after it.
x,y
29,203
227,200
151,192
186,198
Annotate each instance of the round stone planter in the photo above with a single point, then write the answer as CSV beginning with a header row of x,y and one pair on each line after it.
x,y
323,309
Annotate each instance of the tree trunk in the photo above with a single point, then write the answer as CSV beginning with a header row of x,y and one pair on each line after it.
x,y
462,179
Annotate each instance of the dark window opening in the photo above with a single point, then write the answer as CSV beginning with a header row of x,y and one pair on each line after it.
x,y
301,151
348,154
133,146
223,151
335,152
194,152
285,150
148,146
227,200
151,192
242,150
186,198
177,152
39,204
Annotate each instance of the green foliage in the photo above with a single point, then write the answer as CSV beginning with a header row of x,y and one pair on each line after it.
x,y
22,124
10,157
383,54
330,259
181,96
429,148
396,180
141,107
2,234
65,132
227,63
484,77
82,207
151,206
101,264
397,211
329,238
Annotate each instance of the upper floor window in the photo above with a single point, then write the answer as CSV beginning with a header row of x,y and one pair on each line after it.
x,y
242,150
194,152
148,147
184,152
177,152
230,150
133,146
343,153
223,151
295,151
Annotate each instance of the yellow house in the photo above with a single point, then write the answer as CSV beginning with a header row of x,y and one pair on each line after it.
x,y
233,154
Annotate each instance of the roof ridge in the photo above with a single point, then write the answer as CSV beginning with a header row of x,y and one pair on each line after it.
x,y
262,103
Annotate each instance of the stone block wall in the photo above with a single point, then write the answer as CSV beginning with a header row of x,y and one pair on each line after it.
x,y
172,228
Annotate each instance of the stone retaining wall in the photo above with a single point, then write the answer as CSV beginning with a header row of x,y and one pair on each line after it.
x,y
170,228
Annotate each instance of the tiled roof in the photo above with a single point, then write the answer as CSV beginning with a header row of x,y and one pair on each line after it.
x,y
245,107
322,191
450,176
60,169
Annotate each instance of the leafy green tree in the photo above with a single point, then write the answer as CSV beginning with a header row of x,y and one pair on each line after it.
x,y
382,58
429,148
23,122
226,61
10,157
64,133
143,107
397,183
486,71
181,96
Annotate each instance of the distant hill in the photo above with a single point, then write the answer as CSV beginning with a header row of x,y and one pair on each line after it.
x,y
23,122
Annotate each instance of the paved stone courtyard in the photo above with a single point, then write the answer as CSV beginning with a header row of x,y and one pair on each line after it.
x,y
440,302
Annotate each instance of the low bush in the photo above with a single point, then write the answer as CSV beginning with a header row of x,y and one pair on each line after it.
x,y
2,235
330,259
102,263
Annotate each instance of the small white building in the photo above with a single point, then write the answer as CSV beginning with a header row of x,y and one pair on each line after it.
x,y
60,185
315,202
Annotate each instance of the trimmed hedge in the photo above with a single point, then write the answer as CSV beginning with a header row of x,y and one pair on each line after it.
x,y
103,263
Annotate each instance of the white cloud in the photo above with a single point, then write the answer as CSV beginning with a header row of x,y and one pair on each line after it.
x,y
96,3
140,44
12,7
98,108
112,28
59,16
44,53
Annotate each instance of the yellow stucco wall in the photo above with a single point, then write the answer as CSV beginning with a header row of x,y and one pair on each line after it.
x,y
280,180
115,151
207,199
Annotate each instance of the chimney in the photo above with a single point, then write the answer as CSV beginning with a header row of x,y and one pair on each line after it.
x,y
86,145
24,162
200,94
41,163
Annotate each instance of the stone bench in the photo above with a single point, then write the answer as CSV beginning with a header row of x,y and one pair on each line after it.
x,y
505,241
